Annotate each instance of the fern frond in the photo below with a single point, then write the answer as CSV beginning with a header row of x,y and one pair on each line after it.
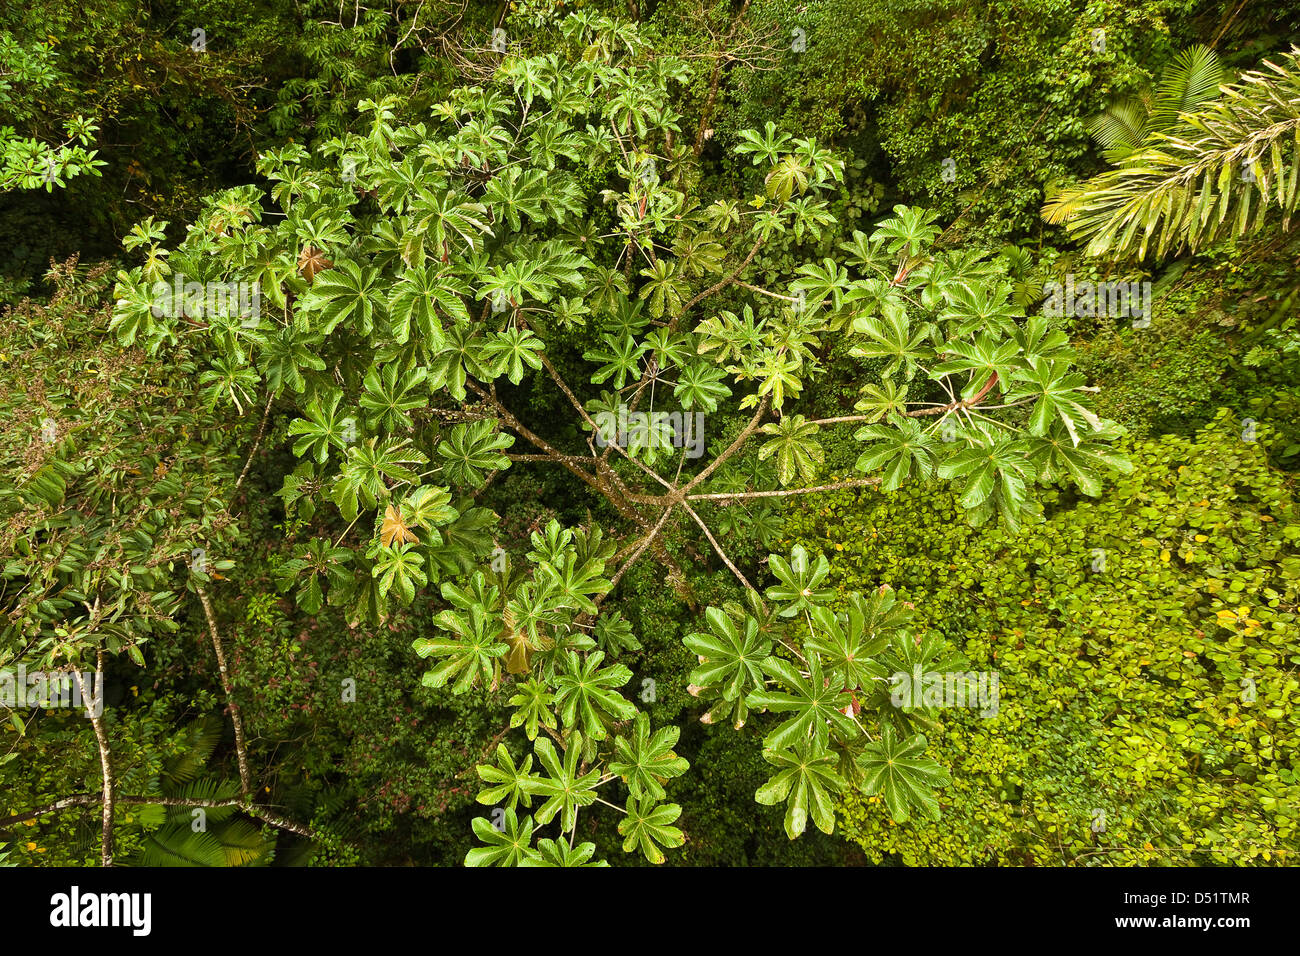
x,y
177,845
205,734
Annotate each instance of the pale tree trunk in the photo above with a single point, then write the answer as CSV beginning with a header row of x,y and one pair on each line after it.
x,y
105,757
245,778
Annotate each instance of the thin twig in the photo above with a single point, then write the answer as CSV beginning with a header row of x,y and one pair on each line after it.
x,y
727,498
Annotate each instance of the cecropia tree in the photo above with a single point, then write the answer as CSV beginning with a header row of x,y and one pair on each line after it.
x,y
549,229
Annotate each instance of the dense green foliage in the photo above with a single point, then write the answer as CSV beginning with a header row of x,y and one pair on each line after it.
x,y
327,334
1146,644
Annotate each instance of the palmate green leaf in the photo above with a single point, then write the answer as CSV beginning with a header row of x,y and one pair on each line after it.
x,y
762,148
734,336
891,336
816,705
904,449
464,355
787,177
515,193
799,589
348,292
317,558
648,826
797,452
586,694
324,426
470,656
1039,338
399,568
228,380
1000,465
645,762
877,401
810,217
507,781
847,648
646,439
821,283
824,164
1057,395
669,349
867,255
511,350
516,282
559,853
882,615
565,789
982,308
389,395
620,316
729,659
532,702
698,254
701,384
507,847
133,310
902,775
363,480
446,220
622,361
551,544
464,542
807,779
576,579
614,634
777,375
428,507
986,357
413,305
531,606
910,657
472,450
479,593
663,289
908,231
1058,457
286,354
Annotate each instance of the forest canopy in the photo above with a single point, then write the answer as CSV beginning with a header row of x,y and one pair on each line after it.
x,y
599,433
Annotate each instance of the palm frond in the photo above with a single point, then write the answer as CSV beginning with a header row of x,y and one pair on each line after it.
x,y
1120,128
1191,80
1232,164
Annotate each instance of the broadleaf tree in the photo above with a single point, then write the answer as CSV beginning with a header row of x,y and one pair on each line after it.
x,y
419,281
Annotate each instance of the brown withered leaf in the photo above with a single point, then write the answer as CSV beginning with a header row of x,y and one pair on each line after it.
x,y
519,659
394,529
311,262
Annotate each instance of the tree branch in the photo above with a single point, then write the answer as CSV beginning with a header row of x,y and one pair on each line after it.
x,y
261,430
957,406
717,547
725,499
241,754
90,799
105,758
730,450
640,548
